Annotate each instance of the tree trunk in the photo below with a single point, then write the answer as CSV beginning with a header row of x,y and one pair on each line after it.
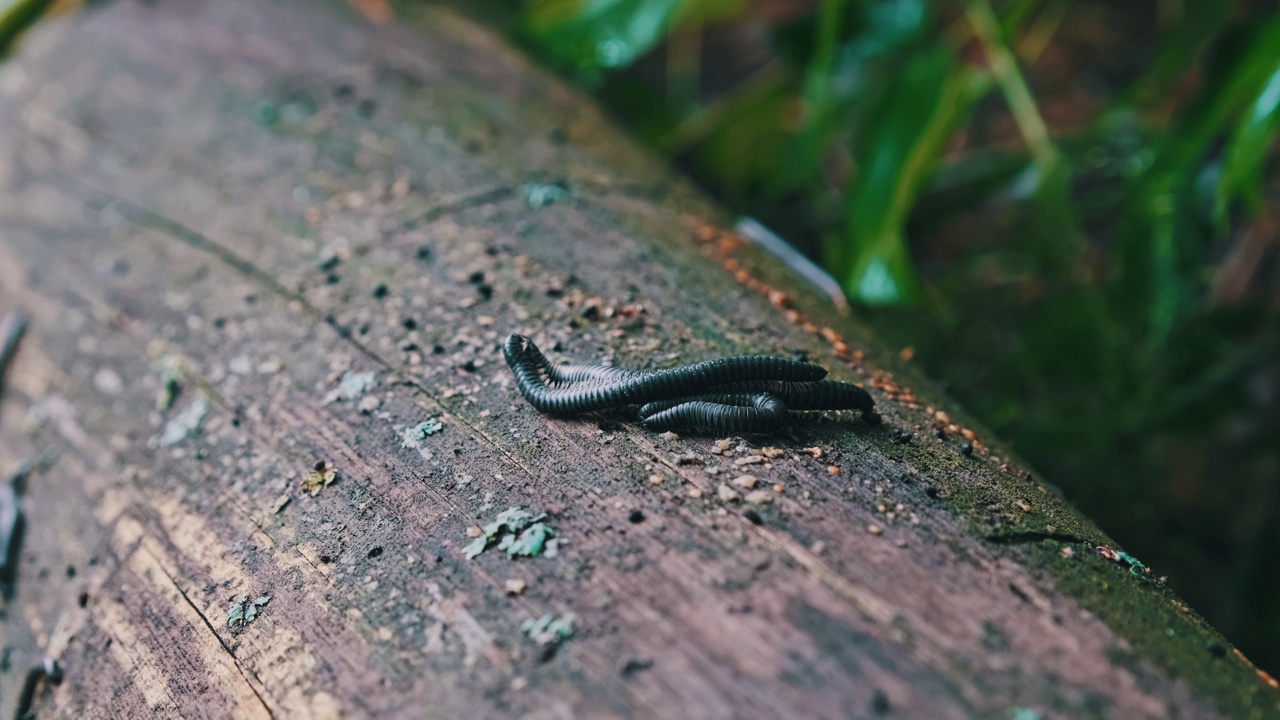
x,y
215,212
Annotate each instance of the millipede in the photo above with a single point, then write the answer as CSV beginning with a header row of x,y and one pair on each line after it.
x,y
745,394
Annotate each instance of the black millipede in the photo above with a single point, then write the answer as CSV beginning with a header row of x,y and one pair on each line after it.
x,y
750,394
726,413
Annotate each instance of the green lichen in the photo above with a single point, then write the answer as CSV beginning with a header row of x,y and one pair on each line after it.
x,y
531,542
517,533
413,437
352,386
244,611
538,195
550,629
185,423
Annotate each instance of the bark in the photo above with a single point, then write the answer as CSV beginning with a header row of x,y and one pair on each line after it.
x,y
239,202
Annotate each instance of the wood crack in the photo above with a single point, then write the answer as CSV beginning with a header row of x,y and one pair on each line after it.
x,y
234,660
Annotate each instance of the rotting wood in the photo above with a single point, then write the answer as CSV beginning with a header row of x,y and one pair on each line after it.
x,y
256,198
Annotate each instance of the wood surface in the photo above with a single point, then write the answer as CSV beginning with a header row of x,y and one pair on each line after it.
x,y
174,179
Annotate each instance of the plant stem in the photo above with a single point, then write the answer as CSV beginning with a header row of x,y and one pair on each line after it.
x,y
1004,66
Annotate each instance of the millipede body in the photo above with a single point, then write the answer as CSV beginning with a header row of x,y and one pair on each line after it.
x,y
748,394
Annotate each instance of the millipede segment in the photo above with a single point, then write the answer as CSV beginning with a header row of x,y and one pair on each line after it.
x,y
747,394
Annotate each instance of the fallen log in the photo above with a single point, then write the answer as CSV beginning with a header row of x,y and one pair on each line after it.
x,y
270,252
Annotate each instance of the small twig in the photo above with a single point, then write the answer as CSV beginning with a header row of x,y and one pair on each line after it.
x,y
751,229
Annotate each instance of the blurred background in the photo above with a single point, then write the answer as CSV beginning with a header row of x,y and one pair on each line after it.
x,y
1067,212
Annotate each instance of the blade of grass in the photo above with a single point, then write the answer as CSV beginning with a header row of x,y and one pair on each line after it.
x,y
695,127
901,147
596,35
1160,247
1249,150
1187,27
1036,39
811,139
684,61
1004,66
16,16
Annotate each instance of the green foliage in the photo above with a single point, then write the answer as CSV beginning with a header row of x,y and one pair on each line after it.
x,y
1097,315
902,145
594,35
16,16
413,437
1255,133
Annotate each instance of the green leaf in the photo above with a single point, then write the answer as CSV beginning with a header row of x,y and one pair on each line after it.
x,y
1161,249
856,53
18,15
809,144
1007,75
897,154
1250,148
1235,79
1182,45
597,35
749,121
